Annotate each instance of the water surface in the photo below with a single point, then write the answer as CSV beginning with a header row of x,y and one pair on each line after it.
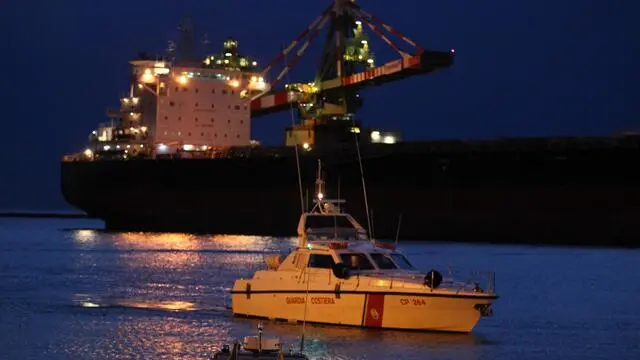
x,y
69,292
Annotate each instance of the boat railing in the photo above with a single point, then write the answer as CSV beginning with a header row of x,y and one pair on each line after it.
x,y
474,281
479,281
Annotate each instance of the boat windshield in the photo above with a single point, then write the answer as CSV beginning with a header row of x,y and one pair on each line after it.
x,y
383,261
356,261
402,261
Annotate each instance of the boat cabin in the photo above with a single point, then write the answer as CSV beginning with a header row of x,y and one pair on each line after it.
x,y
333,239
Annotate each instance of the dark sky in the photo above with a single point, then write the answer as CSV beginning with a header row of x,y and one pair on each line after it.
x,y
523,68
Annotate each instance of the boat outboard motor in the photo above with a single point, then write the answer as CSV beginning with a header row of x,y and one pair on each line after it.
x,y
433,279
340,270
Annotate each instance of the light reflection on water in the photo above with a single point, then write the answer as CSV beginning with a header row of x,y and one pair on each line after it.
x,y
89,294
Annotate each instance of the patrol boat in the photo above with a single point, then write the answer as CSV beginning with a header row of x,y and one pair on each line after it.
x,y
339,275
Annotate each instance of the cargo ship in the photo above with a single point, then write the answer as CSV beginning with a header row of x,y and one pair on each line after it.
x,y
178,154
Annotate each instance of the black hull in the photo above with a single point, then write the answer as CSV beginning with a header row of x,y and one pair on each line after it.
x,y
543,191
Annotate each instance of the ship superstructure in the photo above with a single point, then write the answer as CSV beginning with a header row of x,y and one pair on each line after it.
x,y
181,108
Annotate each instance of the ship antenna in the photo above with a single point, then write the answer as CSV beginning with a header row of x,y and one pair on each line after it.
x,y
364,187
293,123
304,317
398,229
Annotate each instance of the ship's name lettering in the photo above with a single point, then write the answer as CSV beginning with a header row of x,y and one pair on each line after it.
x,y
414,302
292,300
322,300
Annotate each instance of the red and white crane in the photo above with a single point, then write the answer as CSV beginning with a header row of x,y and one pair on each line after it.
x,y
341,75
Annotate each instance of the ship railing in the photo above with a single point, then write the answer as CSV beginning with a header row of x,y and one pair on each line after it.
x,y
70,158
473,281
480,281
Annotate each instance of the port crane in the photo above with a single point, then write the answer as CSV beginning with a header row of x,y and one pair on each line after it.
x,y
347,65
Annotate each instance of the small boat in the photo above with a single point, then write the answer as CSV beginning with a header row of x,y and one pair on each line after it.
x,y
256,348
339,275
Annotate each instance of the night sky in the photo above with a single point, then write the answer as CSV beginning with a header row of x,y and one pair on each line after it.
x,y
523,68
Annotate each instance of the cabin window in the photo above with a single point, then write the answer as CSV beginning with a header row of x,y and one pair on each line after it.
x,y
320,261
383,261
402,261
357,261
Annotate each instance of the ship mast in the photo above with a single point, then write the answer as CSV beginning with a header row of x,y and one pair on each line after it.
x,y
187,40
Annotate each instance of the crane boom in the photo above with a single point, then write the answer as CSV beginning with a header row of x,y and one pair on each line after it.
x,y
426,62
347,66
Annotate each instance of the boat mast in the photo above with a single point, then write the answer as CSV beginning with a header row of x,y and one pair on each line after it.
x,y
319,184
364,189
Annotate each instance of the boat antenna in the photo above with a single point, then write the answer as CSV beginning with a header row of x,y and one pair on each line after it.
x,y
302,210
364,187
304,316
398,229
293,123
335,215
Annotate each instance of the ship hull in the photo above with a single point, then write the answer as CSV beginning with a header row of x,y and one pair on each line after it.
x,y
369,310
579,196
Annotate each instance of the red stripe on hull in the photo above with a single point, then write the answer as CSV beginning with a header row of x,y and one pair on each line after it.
x,y
374,310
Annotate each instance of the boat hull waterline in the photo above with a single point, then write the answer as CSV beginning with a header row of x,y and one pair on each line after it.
x,y
388,310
